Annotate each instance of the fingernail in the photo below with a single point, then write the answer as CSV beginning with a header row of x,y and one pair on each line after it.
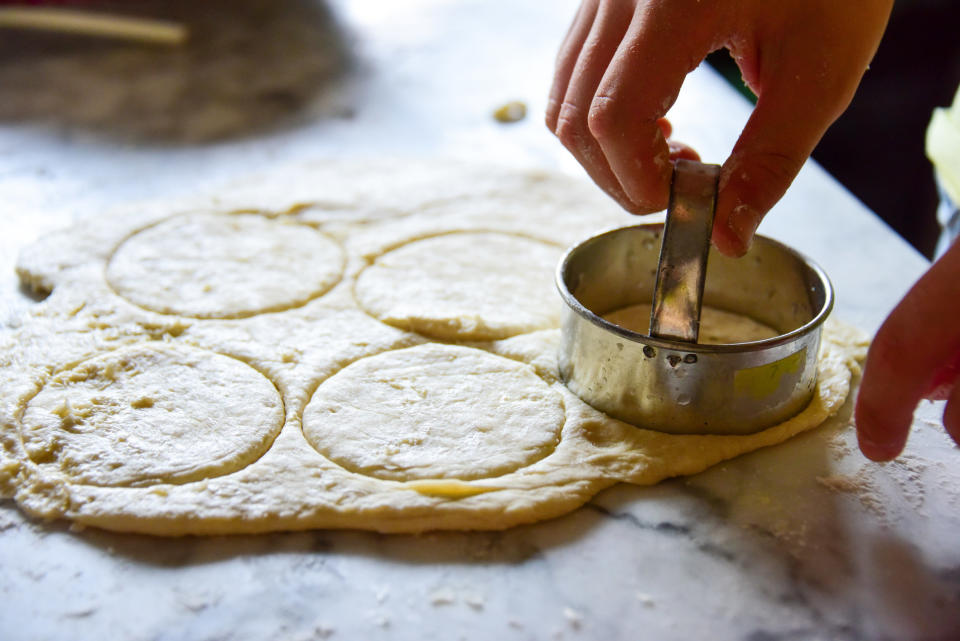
x,y
875,451
743,222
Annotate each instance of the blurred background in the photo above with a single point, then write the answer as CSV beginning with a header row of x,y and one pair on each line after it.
x,y
252,67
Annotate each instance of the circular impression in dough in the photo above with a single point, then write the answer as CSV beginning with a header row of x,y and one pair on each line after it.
x,y
225,265
152,413
434,412
464,286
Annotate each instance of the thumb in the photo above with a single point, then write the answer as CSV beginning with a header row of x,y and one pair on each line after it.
x,y
791,115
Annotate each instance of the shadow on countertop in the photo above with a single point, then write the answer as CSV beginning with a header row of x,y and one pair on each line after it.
x,y
248,66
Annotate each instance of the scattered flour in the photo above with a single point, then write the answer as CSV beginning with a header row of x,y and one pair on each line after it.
x,y
873,485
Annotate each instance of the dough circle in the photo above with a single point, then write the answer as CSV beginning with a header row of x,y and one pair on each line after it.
x,y
225,265
152,413
434,412
464,285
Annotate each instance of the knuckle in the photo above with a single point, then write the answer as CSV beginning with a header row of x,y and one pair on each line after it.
x,y
571,128
602,119
779,166
551,114
762,177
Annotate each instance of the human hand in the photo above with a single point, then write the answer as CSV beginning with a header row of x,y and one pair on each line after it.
x,y
915,355
621,66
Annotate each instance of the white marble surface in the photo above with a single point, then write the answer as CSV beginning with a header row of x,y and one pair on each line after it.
x,y
804,541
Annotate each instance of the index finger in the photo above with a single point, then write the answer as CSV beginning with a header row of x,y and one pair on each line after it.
x,y
920,337
567,59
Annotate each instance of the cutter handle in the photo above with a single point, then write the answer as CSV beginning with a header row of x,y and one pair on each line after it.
x,y
682,270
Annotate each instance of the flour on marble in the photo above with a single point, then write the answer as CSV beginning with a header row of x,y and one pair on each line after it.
x,y
869,484
8,519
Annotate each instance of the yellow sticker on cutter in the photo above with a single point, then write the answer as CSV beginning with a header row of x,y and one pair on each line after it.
x,y
764,380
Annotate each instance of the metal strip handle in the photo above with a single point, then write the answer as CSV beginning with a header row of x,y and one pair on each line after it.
x,y
682,270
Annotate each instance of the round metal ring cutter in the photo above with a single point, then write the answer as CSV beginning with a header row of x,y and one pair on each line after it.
x,y
665,380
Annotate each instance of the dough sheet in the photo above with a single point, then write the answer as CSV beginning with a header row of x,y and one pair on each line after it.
x,y
332,345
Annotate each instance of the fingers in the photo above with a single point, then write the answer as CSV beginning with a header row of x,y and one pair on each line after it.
x,y
584,61
639,86
624,61
610,122
609,25
567,59
920,337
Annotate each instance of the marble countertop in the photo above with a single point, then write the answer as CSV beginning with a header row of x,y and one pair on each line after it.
x,y
807,540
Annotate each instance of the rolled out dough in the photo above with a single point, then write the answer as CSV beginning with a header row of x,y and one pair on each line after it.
x,y
327,345
716,326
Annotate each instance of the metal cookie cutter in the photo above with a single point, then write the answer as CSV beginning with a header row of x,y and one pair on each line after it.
x,y
665,380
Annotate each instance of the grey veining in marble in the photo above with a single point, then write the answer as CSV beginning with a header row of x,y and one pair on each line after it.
x,y
807,540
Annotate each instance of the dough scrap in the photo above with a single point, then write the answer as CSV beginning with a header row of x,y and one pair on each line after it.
x,y
476,431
